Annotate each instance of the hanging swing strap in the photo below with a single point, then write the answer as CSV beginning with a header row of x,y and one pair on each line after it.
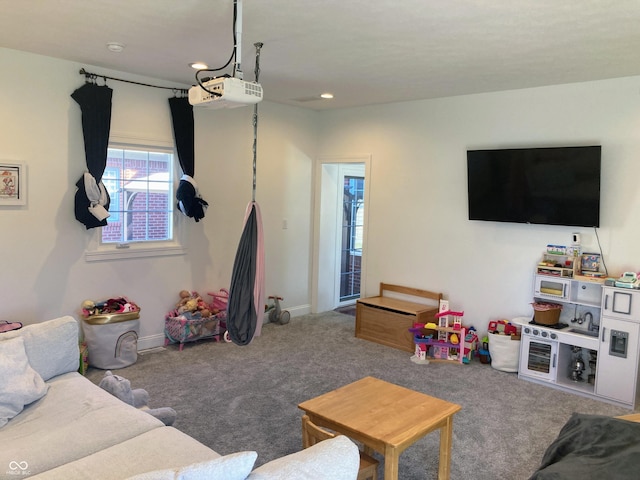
x,y
255,122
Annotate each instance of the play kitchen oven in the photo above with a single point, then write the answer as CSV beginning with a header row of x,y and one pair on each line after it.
x,y
547,352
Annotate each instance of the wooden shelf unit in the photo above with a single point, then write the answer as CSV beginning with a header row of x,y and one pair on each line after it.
x,y
387,320
569,265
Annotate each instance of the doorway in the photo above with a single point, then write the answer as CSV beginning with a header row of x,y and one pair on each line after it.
x,y
350,227
340,227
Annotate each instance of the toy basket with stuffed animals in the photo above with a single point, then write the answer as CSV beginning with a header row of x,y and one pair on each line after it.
x,y
193,319
111,329
180,329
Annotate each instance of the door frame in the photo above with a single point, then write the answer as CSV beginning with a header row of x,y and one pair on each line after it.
x,y
326,193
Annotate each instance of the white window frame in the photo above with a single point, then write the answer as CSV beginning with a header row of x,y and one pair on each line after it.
x,y
97,251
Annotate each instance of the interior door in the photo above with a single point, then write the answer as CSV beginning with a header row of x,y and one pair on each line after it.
x,y
325,288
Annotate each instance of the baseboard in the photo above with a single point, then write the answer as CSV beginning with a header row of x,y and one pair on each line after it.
x,y
155,341
152,341
299,310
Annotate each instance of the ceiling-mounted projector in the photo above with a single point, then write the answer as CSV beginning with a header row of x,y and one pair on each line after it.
x,y
228,92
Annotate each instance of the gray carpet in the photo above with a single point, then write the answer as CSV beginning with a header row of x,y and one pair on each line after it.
x,y
235,398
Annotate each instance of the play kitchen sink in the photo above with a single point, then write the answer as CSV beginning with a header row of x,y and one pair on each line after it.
x,y
581,331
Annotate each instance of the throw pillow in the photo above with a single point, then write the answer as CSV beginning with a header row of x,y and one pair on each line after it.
x,y
337,458
235,466
52,346
20,384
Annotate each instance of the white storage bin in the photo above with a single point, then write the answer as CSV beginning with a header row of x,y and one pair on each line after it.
x,y
112,340
505,352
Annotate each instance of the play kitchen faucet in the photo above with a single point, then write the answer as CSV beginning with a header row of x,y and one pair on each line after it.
x,y
587,317
592,327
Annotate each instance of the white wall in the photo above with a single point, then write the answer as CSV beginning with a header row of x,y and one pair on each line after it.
x,y
43,272
418,232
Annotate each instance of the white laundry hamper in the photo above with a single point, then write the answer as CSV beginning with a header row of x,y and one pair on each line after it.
x,y
505,352
112,340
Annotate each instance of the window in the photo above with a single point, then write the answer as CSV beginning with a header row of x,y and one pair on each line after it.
x,y
139,179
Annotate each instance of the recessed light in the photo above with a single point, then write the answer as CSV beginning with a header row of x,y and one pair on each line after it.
x,y
115,47
326,95
199,65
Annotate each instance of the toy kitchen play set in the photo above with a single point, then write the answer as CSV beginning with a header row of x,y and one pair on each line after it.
x,y
585,333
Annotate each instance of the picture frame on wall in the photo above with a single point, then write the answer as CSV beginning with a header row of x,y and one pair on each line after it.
x,y
13,183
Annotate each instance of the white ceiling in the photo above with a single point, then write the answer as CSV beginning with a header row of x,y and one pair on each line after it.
x,y
363,51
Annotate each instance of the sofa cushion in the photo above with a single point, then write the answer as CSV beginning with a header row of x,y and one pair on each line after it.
x,y
337,458
160,448
235,466
52,346
19,383
74,419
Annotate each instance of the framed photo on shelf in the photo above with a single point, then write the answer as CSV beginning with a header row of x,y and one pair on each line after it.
x,y
590,262
13,183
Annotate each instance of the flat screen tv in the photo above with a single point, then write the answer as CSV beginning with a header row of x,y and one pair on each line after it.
x,y
551,186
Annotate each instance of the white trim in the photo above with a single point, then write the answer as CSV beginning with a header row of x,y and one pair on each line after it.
x,y
130,251
154,341
138,143
322,298
300,310
96,251
151,341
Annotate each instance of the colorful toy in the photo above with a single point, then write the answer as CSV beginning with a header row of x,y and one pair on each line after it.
x,y
470,345
192,303
443,341
113,305
274,312
502,326
120,388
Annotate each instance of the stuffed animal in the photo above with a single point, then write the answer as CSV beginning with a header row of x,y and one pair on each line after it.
x,y
192,303
88,308
113,305
120,388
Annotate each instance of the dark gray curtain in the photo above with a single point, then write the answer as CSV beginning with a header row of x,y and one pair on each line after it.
x,y
188,199
95,104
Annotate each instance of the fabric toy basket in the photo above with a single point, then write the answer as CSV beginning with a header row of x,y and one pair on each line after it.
x,y
112,339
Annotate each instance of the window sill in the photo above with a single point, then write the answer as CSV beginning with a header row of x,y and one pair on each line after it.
x,y
133,251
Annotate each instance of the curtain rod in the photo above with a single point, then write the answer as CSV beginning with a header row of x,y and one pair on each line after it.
x,y
93,76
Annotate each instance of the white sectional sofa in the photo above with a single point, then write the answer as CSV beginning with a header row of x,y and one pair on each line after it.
x,y
56,424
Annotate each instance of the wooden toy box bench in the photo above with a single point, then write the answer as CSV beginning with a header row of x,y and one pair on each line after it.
x,y
387,320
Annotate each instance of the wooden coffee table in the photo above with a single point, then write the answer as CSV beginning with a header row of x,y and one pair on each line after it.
x,y
386,418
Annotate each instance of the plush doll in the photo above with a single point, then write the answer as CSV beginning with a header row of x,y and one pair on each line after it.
x,y
88,308
192,305
113,305
120,388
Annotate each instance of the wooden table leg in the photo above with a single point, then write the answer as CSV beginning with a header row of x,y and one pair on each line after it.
x,y
391,456
446,438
